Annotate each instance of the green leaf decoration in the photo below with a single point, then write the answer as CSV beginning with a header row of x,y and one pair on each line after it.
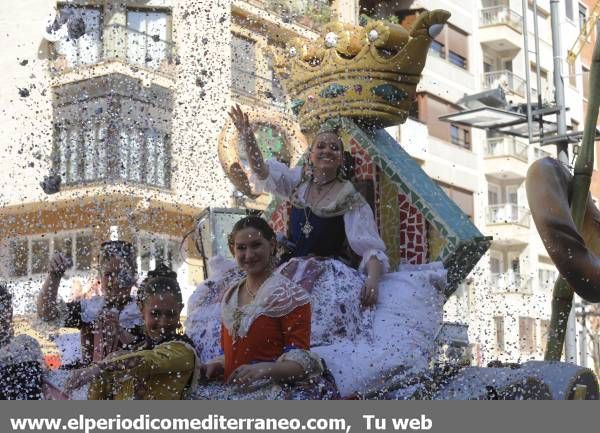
x,y
333,91
390,93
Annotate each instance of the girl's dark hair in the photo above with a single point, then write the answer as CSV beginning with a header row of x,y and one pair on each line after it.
x,y
161,280
253,222
121,249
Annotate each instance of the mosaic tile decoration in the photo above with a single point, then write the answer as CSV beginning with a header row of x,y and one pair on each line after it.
x,y
279,219
463,244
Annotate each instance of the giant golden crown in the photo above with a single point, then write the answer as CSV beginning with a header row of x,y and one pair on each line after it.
x,y
369,73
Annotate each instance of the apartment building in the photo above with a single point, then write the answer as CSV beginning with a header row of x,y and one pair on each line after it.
x,y
131,115
123,101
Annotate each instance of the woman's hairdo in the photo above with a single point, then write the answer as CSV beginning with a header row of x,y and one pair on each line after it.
x,y
161,280
121,249
253,222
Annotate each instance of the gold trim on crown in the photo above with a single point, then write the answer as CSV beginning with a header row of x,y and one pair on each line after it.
x,y
369,73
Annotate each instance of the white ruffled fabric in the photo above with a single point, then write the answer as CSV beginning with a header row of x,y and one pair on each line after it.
x,y
359,222
406,321
360,347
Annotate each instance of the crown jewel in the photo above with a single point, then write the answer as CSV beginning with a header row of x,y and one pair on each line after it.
x,y
369,73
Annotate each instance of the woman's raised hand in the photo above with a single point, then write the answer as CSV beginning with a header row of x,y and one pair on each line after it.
x,y
241,121
59,263
255,157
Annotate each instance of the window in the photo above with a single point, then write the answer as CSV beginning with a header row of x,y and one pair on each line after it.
x,y
462,198
19,255
499,325
243,65
451,44
547,278
457,59
527,335
544,330
276,92
82,155
430,109
569,9
30,255
493,195
582,17
437,49
572,75
585,75
153,249
460,136
495,265
543,81
87,49
149,37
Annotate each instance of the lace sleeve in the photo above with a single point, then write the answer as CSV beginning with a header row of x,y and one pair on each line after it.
x,y
280,181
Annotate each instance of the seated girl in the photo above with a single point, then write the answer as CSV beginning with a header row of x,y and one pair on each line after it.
x,y
265,329
164,366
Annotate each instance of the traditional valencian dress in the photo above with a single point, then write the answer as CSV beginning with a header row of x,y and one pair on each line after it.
x,y
360,346
167,371
274,327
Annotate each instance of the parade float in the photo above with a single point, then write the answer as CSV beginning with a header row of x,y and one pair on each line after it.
x,y
365,76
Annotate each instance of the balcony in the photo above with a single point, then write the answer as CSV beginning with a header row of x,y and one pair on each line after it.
x,y
139,157
508,223
285,18
112,129
509,81
511,282
501,28
117,43
505,158
250,88
506,147
507,213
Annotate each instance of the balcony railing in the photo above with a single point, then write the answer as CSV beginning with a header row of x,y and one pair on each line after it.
x,y
511,282
247,84
134,156
133,46
505,79
308,13
506,146
501,15
507,213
